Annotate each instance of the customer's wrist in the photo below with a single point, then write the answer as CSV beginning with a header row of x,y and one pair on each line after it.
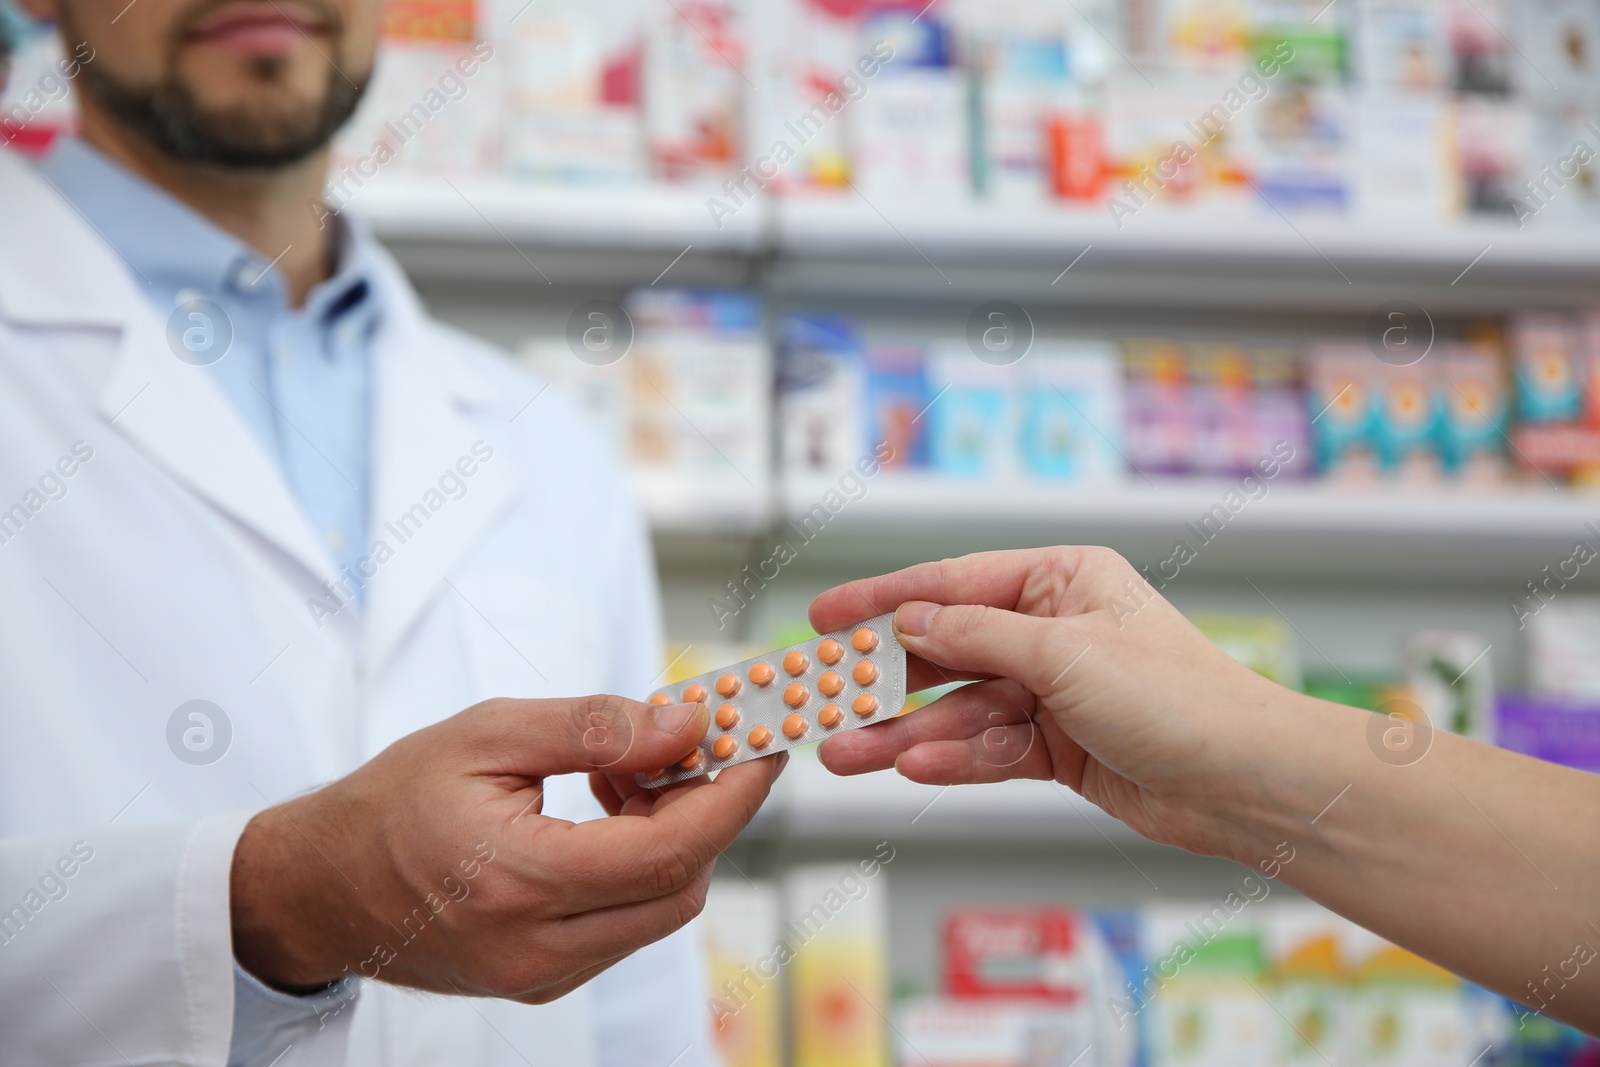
x,y
1295,759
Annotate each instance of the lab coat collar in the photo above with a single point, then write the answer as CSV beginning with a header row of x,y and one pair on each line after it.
x,y
169,246
424,394
170,410
74,278
177,253
42,278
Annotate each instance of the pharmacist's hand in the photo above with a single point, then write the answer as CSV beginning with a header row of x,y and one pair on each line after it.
x,y
1092,679
432,867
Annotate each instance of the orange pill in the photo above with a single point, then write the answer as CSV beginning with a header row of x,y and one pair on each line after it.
x,y
796,662
657,773
760,737
864,640
696,694
660,698
830,652
762,673
830,715
691,761
728,685
727,716
865,672
864,705
796,695
724,747
794,727
830,684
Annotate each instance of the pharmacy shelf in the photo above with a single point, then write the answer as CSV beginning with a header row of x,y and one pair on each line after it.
x,y
906,229
492,208
1301,530
815,805
492,228
1294,529
1243,258
689,507
915,500
495,210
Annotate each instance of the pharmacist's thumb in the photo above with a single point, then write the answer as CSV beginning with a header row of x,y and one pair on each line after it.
x,y
977,639
589,733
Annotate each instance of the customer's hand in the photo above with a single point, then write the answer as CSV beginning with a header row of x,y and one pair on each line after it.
x,y
1092,679
432,867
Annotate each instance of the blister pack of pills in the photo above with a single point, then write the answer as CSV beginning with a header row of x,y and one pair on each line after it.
x,y
791,697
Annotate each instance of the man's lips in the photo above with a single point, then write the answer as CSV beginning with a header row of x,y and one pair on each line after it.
x,y
256,28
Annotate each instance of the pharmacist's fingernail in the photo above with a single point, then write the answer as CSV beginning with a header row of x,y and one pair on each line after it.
x,y
913,619
674,717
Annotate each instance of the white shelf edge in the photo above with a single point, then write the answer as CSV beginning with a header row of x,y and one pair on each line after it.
x,y
682,505
914,505
972,230
492,209
1320,508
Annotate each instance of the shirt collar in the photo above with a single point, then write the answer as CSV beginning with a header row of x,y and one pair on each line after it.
x,y
172,248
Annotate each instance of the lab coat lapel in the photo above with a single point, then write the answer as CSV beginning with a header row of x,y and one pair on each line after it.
x,y
171,410
178,416
424,443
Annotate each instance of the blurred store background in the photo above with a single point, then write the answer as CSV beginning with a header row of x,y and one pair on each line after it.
x,y
1297,305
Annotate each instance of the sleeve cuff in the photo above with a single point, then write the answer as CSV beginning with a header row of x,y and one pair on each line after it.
x,y
204,926
266,1021
255,1024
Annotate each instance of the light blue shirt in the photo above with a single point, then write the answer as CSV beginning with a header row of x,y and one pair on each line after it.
x,y
301,378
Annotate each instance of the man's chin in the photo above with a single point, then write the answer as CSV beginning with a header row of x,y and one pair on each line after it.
x,y
237,146
241,138
257,133
262,126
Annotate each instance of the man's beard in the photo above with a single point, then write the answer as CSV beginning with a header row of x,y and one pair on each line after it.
x,y
171,118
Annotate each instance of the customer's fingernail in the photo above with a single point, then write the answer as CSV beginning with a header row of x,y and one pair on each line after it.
x,y
913,619
673,717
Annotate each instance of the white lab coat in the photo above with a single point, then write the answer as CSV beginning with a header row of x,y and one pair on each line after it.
x,y
175,565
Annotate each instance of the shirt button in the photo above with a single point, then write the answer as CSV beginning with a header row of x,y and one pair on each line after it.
x,y
247,275
284,354
335,539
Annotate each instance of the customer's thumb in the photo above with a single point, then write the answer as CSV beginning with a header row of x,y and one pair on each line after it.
x,y
976,638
